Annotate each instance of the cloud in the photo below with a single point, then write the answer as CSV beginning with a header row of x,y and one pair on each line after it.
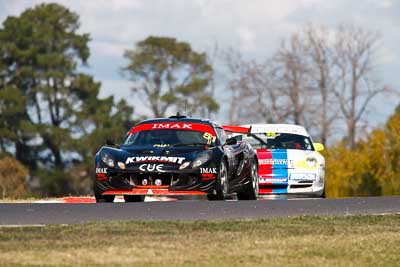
x,y
124,4
382,3
246,37
121,89
254,27
108,48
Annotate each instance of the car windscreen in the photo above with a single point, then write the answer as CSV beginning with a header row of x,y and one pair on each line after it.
x,y
164,135
278,141
164,138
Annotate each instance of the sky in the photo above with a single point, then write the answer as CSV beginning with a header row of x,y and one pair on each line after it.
x,y
254,27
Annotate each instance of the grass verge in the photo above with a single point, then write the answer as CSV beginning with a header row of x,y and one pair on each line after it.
x,y
302,241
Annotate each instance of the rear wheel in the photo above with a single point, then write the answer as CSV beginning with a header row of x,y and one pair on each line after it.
x,y
133,198
222,187
250,191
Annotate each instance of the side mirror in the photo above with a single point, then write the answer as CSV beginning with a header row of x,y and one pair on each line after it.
x,y
319,147
231,141
110,142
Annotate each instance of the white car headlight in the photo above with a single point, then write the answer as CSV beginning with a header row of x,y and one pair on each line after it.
x,y
184,165
311,162
107,159
121,165
200,160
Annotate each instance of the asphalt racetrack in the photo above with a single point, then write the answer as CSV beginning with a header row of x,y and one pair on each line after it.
x,y
60,213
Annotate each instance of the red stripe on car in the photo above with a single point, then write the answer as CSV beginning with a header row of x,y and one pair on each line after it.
x,y
199,127
264,168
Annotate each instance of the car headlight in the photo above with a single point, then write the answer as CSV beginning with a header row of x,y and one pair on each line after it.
x,y
200,160
184,165
311,162
107,159
121,165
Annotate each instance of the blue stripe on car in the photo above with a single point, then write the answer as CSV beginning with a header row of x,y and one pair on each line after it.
x,y
280,170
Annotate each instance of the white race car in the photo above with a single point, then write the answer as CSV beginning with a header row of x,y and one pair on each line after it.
x,y
288,161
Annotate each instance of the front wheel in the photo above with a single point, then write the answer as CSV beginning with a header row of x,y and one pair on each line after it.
x,y
105,199
102,198
221,189
133,198
323,194
250,191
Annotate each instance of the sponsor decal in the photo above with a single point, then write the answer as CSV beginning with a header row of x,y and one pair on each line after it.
x,y
101,177
172,126
208,170
291,130
273,180
275,161
271,134
302,176
151,167
101,174
178,160
208,176
160,145
101,170
209,137
199,127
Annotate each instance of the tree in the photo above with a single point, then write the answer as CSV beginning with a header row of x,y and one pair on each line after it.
x,y
14,128
238,70
169,74
275,91
42,51
391,159
376,170
253,95
56,116
12,105
98,120
357,85
293,78
323,80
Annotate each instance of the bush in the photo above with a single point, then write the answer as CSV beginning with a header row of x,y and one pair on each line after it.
x,y
12,178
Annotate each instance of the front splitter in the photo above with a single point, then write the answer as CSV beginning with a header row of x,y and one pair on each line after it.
x,y
152,192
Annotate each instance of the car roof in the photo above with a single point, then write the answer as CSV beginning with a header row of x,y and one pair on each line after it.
x,y
182,119
279,128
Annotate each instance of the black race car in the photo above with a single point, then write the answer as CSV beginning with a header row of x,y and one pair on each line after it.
x,y
176,156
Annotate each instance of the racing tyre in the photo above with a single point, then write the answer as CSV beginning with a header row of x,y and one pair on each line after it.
x,y
105,199
130,198
250,191
222,184
323,194
102,198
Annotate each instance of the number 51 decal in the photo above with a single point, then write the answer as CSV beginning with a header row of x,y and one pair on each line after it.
x,y
209,137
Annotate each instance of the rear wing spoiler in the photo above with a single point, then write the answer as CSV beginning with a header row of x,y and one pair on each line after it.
x,y
236,129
